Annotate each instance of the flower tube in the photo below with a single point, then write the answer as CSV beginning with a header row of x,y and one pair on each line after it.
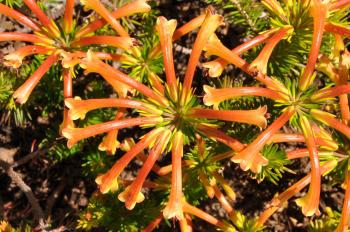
x,y
18,36
309,203
113,75
125,43
174,206
330,120
217,66
68,16
23,92
15,59
109,180
211,23
9,12
344,223
225,204
251,152
97,6
132,194
46,22
319,13
138,6
67,93
260,62
337,5
280,199
165,29
79,108
76,134
331,92
153,224
216,96
254,117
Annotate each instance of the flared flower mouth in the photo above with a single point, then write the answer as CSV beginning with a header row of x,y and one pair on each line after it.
x,y
13,60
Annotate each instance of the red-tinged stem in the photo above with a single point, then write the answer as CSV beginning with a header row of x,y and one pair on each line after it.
x,y
76,134
113,75
18,36
190,209
260,62
310,201
225,204
111,176
174,206
246,156
9,12
165,30
46,22
130,197
319,15
215,96
343,99
278,201
80,107
345,215
339,4
161,171
138,6
110,143
23,92
119,42
208,27
333,28
331,92
153,224
97,6
221,137
331,121
254,117
68,16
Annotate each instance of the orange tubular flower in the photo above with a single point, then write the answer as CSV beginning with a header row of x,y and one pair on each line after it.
x,y
189,26
138,6
254,117
339,4
190,209
67,93
275,7
225,204
9,12
18,36
260,62
53,29
211,22
216,96
166,30
309,203
250,155
23,92
174,206
330,120
109,180
76,134
333,28
324,94
97,6
132,194
110,142
217,66
345,215
112,75
151,226
15,59
68,16
319,13
78,108
278,201
124,43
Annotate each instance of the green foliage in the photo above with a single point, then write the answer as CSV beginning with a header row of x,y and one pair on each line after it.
x,y
273,172
6,227
328,222
106,211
